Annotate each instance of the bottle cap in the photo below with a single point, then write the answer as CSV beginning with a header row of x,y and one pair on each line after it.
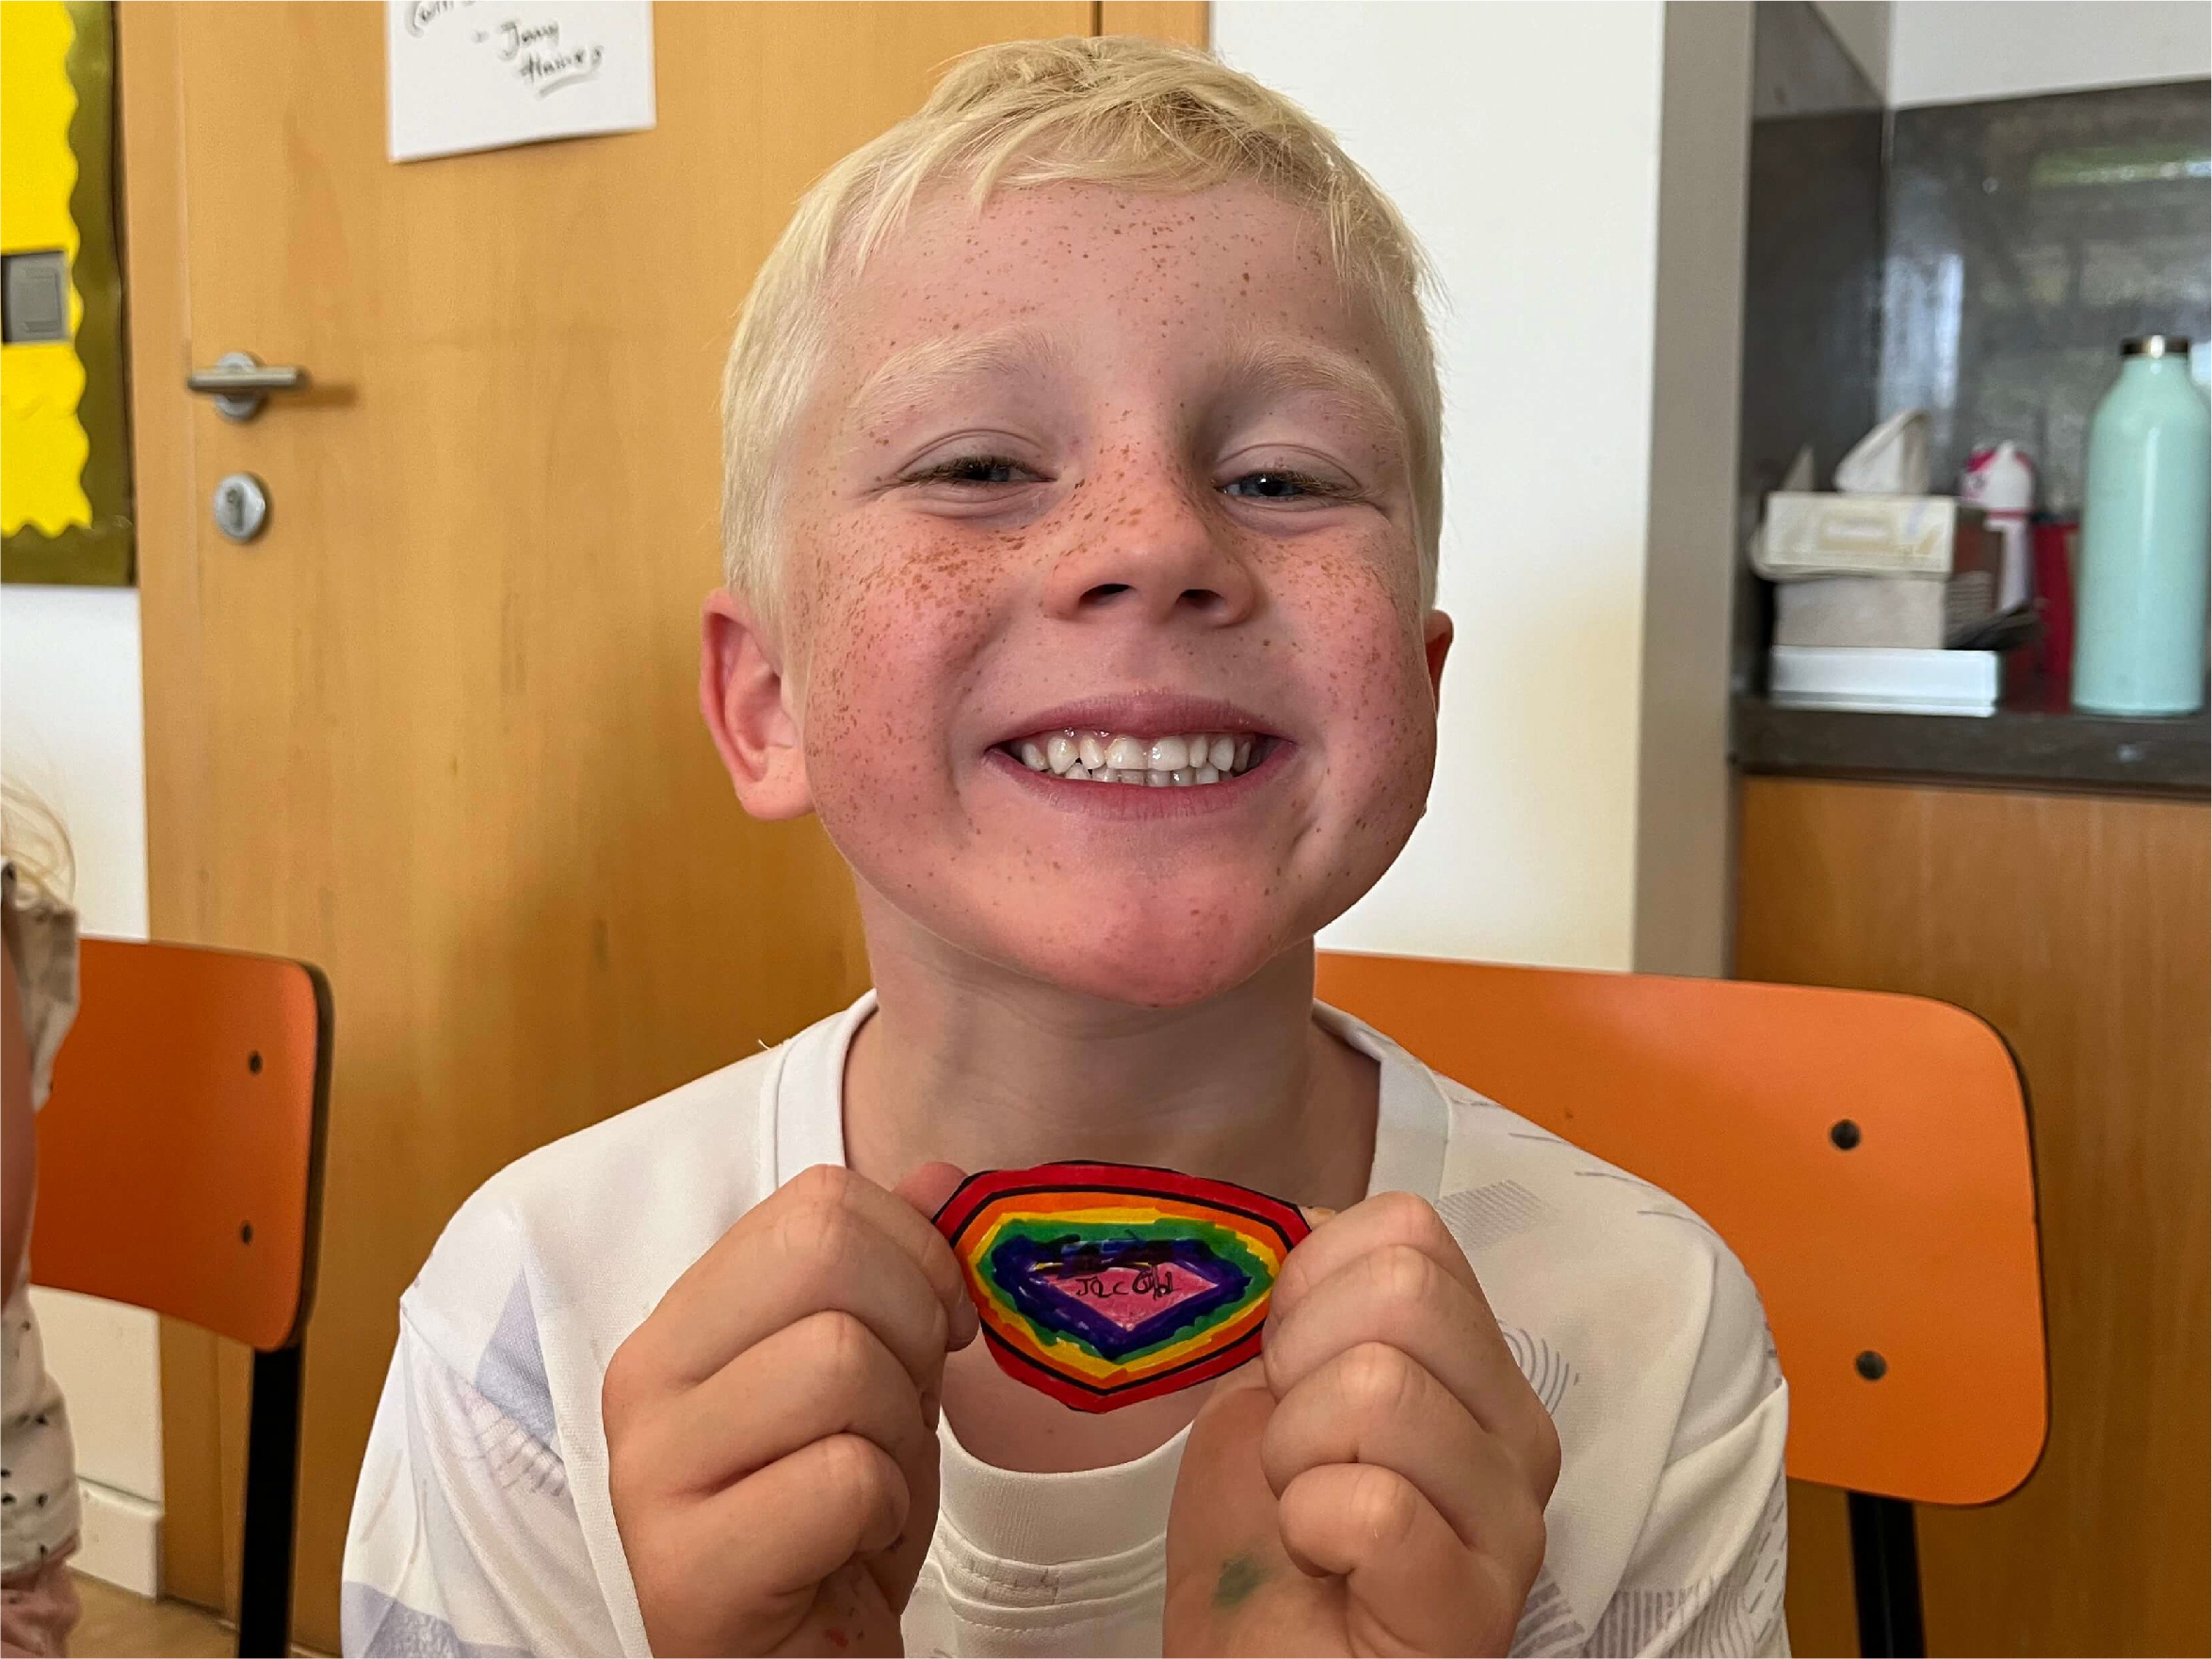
x,y
2155,346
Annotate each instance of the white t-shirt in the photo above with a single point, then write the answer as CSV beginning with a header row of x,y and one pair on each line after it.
x,y
482,1524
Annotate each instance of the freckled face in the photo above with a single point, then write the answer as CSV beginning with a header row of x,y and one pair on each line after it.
x,y
1124,463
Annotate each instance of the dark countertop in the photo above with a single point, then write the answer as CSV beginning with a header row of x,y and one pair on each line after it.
x,y
2026,747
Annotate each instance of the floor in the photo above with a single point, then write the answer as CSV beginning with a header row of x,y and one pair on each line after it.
x,y
118,1622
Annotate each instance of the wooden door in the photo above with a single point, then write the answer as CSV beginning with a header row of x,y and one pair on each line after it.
x,y
436,730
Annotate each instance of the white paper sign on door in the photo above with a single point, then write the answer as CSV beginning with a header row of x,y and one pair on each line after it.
x,y
477,74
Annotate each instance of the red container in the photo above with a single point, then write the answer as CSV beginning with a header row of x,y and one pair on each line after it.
x,y
2054,543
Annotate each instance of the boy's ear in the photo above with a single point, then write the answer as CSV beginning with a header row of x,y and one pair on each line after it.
x,y
1436,641
743,695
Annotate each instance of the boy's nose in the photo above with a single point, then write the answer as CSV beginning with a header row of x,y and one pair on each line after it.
x,y
1160,560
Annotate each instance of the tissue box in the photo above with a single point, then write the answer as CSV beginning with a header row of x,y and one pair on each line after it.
x,y
1917,613
1885,682
1815,535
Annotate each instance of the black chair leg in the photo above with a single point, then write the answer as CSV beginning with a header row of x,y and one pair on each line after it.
x,y
1885,1574
272,1491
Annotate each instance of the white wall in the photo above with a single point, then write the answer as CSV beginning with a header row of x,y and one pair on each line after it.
x,y
1956,50
1686,819
71,729
1522,140
1864,27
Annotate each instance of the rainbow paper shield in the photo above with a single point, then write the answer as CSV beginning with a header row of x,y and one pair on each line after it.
x,y
1103,1285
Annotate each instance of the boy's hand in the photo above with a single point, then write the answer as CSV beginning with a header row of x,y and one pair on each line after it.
x,y
1377,1484
771,1427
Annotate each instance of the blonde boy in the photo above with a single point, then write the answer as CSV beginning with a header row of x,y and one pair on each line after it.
x,y
1083,491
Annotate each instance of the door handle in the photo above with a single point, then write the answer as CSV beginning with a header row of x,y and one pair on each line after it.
x,y
240,383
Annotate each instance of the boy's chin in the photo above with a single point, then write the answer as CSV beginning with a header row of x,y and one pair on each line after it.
x,y
1149,974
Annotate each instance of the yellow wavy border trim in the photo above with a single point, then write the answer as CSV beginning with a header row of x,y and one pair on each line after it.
x,y
43,445
64,457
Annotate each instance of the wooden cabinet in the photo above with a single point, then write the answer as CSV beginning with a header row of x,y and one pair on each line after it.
x,y
2076,925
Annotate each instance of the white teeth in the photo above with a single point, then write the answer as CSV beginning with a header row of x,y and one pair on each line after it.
x,y
1126,754
1154,762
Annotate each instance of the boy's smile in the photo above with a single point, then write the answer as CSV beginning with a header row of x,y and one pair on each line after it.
x,y
1199,744
1102,645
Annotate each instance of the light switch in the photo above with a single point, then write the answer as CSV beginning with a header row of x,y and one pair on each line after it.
x,y
37,297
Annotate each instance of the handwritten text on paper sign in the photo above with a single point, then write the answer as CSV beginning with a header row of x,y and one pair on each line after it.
x,y
477,74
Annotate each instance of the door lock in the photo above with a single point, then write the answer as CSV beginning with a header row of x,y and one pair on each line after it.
x,y
241,507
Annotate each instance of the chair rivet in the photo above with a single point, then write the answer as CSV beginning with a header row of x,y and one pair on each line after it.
x,y
1872,1366
246,1233
1845,1134
254,1062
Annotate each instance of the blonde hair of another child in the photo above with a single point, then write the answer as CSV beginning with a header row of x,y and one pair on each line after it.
x,y
1114,110
33,840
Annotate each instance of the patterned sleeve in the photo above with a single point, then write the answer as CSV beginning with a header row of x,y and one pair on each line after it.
x,y
1708,1569
465,1539
41,935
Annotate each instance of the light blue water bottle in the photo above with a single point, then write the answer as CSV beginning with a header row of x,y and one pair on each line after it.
x,y
2140,618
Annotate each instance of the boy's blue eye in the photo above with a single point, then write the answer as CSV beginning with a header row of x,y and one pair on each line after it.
x,y
1267,484
1276,485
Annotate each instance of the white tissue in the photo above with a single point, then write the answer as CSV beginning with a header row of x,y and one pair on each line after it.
x,y
1889,461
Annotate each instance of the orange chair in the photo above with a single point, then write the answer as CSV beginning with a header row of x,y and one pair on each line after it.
x,y
180,1163
1866,1156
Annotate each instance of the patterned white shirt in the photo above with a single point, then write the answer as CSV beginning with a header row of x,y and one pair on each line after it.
x,y
39,1512
482,1522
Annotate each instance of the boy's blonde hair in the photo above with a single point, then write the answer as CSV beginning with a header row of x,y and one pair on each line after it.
x,y
1116,111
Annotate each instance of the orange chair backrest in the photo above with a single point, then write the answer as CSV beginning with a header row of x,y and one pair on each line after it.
x,y
1917,1244
179,1155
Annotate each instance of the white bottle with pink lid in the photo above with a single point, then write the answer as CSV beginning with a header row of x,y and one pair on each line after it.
x,y
2000,480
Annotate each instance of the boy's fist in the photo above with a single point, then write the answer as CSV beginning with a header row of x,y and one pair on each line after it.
x,y
771,1427
1377,1482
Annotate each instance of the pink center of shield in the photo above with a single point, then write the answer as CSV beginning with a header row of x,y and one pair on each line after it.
x,y
1130,1295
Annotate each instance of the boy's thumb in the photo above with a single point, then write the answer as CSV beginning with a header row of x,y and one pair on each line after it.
x,y
928,1187
1223,1526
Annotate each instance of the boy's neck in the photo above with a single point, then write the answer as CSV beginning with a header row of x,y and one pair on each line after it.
x,y
969,1064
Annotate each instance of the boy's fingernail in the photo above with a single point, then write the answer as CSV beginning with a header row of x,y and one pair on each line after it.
x,y
1316,1214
